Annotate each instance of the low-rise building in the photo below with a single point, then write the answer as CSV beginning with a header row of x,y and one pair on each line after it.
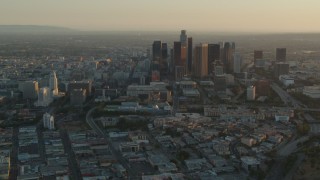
x,y
312,91
249,163
197,164
162,163
138,137
155,88
248,141
78,96
128,147
173,176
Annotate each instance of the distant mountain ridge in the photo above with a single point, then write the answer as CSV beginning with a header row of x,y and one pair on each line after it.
x,y
30,29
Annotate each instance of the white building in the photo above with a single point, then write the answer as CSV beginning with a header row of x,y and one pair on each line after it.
x,y
48,121
237,62
312,91
53,83
286,80
251,93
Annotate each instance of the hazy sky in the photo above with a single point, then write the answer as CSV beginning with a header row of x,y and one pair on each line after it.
x,y
193,15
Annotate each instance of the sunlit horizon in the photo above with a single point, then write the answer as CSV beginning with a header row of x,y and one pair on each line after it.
x,y
272,16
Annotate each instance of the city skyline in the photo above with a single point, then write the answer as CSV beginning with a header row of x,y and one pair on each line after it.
x,y
142,15
146,90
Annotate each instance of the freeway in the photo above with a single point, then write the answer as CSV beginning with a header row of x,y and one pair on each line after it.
x,y
300,158
285,97
277,170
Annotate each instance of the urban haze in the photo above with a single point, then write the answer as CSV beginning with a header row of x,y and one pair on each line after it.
x,y
159,90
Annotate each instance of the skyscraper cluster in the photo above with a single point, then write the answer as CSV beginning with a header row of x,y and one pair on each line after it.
x,y
47,94
188,60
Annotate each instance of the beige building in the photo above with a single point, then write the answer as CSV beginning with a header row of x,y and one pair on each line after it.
x,y
200,67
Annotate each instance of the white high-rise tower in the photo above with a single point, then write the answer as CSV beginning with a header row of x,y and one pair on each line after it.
x,y
53,83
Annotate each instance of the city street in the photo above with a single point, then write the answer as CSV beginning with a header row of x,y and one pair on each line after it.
x,y
114,151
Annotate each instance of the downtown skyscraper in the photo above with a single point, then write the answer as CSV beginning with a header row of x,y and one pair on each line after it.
x,y
179,61
190,54
200,65
159,64
227,55
213,55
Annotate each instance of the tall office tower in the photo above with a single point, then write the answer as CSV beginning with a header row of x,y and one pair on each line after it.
x,y
221,51
190,49
237,62
164,59
213,55
201,60
179,58
257,54
179,53
281,69
281,54
171,62
53,84
183,37
156,55
184,53
184,48
164,51
228,50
